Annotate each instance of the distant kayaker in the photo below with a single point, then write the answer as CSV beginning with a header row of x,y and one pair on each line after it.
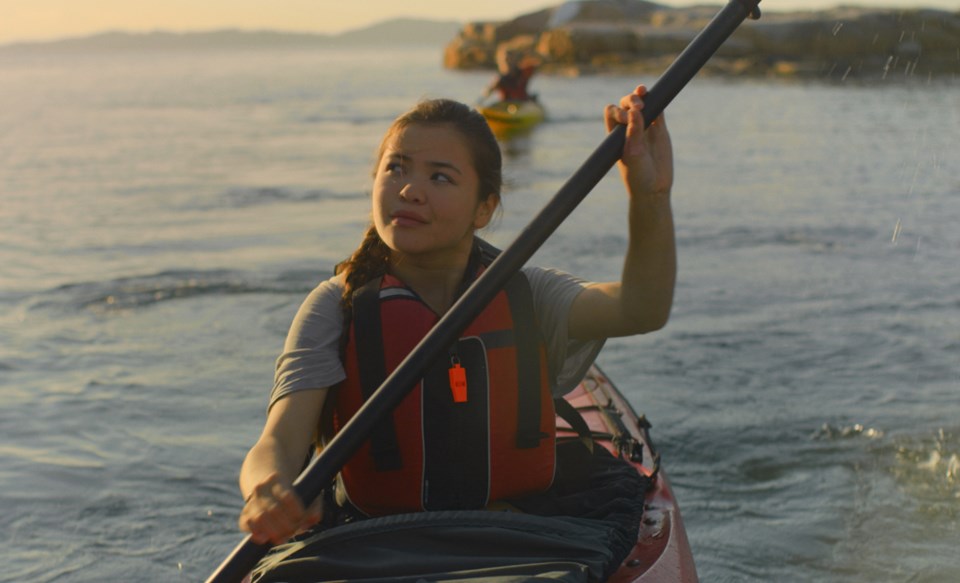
x,y
436,182
515,70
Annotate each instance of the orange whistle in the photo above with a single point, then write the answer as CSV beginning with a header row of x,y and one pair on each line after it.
x,y
458,383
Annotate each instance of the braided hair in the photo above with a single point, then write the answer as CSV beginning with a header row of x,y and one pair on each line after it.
x,y
371,258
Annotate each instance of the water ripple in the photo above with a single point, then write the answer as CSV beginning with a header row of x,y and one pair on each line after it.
x,y
827,239
142,291
253,196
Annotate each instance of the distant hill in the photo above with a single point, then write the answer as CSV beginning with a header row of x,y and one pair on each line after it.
x,y
401,31
397,32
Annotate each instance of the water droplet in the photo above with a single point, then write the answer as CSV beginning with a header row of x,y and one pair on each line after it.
x,y
886,68
953,468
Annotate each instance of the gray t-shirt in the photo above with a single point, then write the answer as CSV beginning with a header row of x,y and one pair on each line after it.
x,y
311,354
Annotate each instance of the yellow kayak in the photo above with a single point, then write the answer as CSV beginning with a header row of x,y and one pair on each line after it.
x,y
511,116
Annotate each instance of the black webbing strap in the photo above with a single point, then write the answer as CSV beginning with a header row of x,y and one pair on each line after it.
x,y
529,414
368,336
527,339
575,420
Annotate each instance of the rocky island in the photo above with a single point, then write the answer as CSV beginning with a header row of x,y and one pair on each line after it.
x,y
635,36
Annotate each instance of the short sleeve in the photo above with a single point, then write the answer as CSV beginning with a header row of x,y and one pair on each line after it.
x,y
311,353
568,359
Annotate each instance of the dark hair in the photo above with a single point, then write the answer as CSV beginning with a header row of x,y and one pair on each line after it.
x,y
370,258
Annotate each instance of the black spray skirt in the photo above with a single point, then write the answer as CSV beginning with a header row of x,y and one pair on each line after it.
x,y
579,530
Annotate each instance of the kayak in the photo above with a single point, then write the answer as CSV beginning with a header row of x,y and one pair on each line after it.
x,y
506,117
446,545
662,552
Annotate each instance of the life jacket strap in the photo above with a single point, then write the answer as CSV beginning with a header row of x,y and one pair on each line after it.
x,y
369,342
520,298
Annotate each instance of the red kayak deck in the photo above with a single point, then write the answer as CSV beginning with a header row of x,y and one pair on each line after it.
x,y
662,552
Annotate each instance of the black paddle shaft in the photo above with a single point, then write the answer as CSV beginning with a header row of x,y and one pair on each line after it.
x,y
325,466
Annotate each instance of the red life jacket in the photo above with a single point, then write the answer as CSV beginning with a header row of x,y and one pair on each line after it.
x,y
441,450
513,84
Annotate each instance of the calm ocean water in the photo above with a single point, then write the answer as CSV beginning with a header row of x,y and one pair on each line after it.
x,y
162,215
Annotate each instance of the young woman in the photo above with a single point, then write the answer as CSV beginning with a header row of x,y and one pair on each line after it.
x,y
437,181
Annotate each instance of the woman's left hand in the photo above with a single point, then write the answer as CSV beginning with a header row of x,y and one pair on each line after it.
x,y
647,161
640,302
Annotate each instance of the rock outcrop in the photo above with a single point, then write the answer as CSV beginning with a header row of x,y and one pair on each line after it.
x,y
637,36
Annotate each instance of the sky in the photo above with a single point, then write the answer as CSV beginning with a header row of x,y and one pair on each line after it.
x,y
40,20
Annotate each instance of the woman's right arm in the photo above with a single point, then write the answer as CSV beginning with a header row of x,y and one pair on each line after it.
x,y
273,512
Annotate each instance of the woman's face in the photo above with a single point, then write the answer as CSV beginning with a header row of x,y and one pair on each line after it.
x,y
426,199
